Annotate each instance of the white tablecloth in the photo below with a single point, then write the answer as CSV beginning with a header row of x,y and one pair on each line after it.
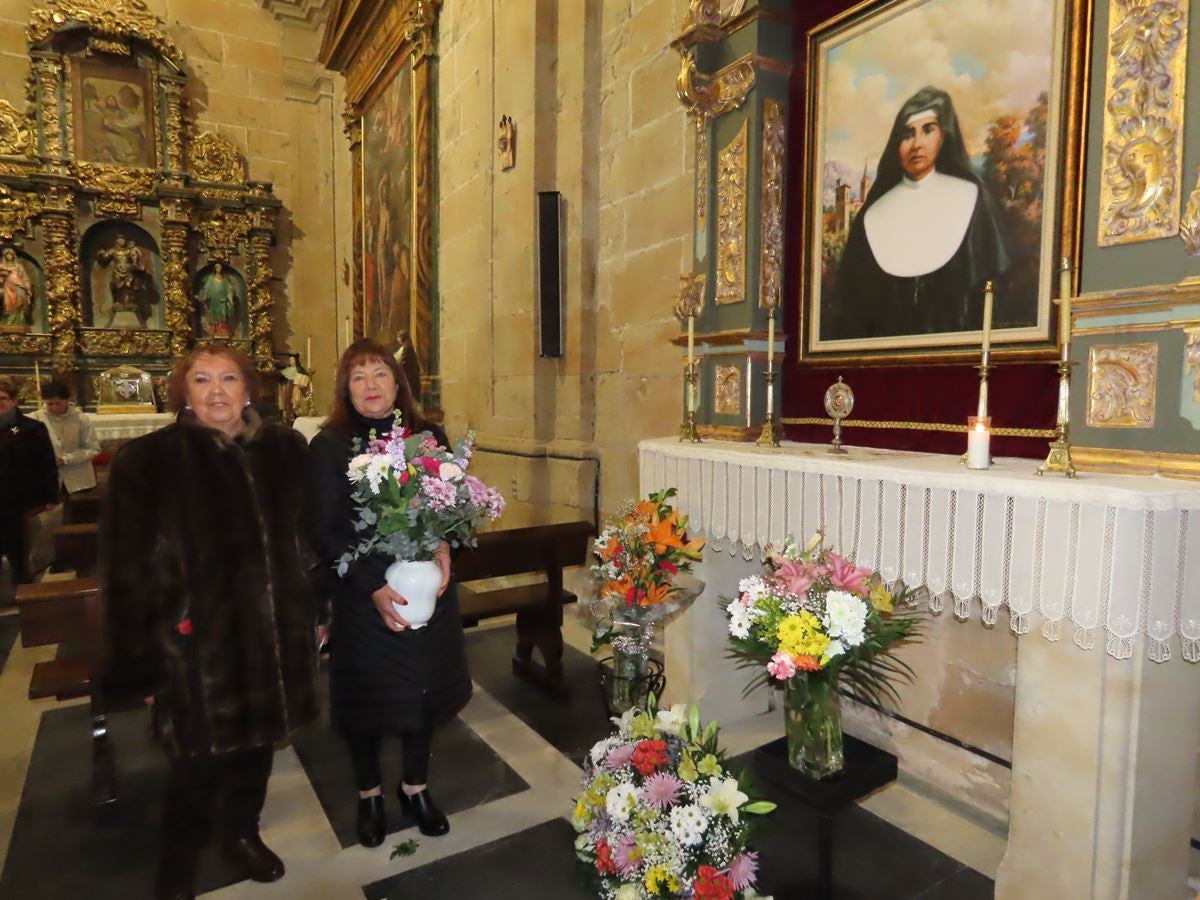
x,y
128,425
1110,553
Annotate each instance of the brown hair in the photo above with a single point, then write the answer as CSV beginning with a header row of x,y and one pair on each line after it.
x,y
362,351
177,382
9,386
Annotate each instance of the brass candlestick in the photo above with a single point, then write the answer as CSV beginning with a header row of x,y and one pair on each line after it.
x,y
1059,457
984,370
691,377
768,437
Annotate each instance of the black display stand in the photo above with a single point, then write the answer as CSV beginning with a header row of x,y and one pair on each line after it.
x,y
867,769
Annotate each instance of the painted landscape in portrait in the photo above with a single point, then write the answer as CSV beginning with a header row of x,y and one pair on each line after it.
x,y
387,210
984,71
113,115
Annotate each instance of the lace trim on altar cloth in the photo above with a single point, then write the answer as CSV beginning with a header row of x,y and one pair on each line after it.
x,y
1095,571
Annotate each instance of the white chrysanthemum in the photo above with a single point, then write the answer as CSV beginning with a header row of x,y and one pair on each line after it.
x,y
835,649
601,749
739,620
376,471
688,824
845,617
754,586
629,892
620,801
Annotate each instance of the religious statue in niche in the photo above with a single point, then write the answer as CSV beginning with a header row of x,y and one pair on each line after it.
x,y
16,286
295,394
219,298
132,293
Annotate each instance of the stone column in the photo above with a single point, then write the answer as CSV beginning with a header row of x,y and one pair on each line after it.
x,y
62,270
1104,775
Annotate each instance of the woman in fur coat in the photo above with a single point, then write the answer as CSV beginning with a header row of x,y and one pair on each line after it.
x,y
213,606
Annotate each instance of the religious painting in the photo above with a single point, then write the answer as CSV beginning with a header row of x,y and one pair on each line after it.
x,y
220,298
387,210
122,273
113,114
936,166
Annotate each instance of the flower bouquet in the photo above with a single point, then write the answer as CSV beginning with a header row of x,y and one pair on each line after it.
x,y
639,580
411,494
662,814
811,621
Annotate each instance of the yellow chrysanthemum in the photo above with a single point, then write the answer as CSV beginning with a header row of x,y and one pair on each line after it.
x,y
801,635
881,599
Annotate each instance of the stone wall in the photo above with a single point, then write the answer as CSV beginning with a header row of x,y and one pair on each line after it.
x,y
253,78
590,86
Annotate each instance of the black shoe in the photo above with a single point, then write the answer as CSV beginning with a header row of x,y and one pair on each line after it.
x,y
372,825
176,875
431,820
255,859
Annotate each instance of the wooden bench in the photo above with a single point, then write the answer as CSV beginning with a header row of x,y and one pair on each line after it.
x,y
544,549
84,506
77,548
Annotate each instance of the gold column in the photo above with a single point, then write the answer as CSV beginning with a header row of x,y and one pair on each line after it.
x,y
176,223
260,301
173,129
62,267
47,77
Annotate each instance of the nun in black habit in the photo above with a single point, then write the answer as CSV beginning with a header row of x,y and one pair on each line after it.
x,y
927,239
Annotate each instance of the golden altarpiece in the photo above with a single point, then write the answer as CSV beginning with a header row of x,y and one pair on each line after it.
x,y
126,237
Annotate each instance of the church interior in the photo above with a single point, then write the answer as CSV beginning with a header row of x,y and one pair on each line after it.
x,y
916,279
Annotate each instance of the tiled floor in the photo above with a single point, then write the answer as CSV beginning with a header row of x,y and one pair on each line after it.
x,y
506,770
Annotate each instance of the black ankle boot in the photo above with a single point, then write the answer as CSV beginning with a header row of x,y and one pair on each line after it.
x,y
431,820
256,860
372,825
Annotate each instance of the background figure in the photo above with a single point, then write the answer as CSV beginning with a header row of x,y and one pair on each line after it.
x,y
17,289
28,476
926,240
213,606
219,300
295,395
385,680
75,443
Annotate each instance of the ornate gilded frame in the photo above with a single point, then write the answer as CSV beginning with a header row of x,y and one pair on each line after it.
x,y
1074,19
369,43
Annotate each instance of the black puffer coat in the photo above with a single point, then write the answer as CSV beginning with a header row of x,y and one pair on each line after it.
x,y
211,585
380,680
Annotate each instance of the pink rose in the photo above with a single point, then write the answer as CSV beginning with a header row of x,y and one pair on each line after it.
x,y
782,666
847,576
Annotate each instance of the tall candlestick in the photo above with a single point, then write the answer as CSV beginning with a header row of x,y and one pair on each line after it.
x,y
346,331
308,352
1064,307
691,338
770,345
987,321
37,379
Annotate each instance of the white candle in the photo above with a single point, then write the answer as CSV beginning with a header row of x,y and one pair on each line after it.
x,y
347,330
37,379
987,321
979,439
1064,308
308,352
691,338
770,347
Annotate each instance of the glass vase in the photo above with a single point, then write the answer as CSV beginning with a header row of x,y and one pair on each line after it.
x,y
813,717
629,674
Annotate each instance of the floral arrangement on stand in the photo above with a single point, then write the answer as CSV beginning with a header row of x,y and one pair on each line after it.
x,y
636,584
411,493
663,815
812,622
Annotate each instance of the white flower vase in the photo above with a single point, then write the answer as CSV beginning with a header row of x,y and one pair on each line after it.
x,y
418,583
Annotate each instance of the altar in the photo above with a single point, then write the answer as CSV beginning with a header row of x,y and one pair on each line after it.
x,y
126,426
1094,576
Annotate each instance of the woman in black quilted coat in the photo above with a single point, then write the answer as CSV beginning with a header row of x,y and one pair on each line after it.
x,y
385,679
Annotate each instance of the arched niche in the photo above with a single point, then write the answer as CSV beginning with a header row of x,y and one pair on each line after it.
x,y
121,277
22,292
219,292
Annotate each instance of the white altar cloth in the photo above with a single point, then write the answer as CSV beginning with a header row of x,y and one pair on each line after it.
x,y
1102,552
117,426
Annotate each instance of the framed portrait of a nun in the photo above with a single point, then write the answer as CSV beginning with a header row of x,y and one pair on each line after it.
x,y
944,145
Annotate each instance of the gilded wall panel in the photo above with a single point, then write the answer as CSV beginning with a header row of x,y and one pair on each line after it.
x,y
770,273
727,394
731,219
1122,381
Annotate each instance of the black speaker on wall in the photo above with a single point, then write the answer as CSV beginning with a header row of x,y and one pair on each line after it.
x,y
549,273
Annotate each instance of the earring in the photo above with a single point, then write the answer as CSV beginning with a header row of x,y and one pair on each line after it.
x,y
247,402
188,407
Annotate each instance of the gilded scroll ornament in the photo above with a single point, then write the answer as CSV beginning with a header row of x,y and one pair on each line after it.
x,y
260,299
1143,121
17,344
116,181
215,160
701,125
727,398
17,212
221,233
115,20
418,29
1122,381
770,274
176,296
124,342
1189,226
716,95
16,134
690,300
1191,359
731,219
701,14
47,73
62,281
173,120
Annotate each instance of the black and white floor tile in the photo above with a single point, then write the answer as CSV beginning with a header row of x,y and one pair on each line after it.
x,y
506,770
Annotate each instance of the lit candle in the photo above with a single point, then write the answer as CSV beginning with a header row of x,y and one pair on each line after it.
x,y
987,321
979,437
770,345
1064,308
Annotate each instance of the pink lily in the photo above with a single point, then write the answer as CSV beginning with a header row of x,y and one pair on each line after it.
x,y
847,576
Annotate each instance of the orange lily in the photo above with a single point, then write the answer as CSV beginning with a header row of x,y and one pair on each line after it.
x,y
656,593
663,534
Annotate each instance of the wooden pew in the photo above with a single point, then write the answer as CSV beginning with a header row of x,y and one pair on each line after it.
x,y
77,548
542,549
84,507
